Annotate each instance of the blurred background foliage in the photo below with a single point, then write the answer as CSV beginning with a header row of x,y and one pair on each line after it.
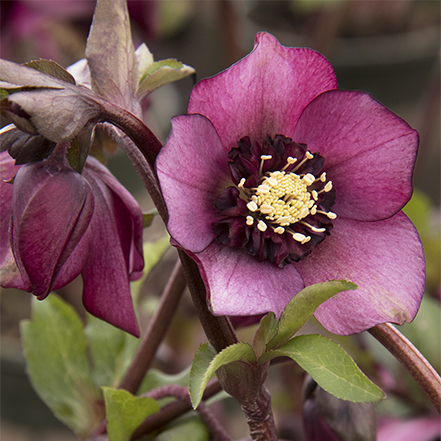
x,y
387,48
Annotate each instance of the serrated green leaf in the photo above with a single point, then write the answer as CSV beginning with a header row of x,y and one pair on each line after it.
x,y
51,68
55,352
111,351
125,412
160,73
303,305
265,333
206,362
330,366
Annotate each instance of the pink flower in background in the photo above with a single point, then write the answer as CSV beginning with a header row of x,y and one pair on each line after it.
x,y
275,180
65,224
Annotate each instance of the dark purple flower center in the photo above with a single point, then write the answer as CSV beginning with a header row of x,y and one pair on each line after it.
x,y
279,206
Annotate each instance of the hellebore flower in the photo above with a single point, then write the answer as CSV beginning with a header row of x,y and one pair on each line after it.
x,y
65,224
275,180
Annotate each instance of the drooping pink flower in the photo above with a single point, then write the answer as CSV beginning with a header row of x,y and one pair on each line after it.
x,y
65,224
275,180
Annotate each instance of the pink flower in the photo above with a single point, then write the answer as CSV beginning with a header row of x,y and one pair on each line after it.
x,y
275,180
65,224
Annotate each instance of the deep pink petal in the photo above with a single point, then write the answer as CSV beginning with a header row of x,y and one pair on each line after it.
x,y
126,212
51,212
193,171
264,93
10,276
238,284
369,152
106,292
385,259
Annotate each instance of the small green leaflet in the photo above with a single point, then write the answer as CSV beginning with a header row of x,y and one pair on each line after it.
x,y
55,352
125,412
206,362
160,73
303,305
330,366
265,333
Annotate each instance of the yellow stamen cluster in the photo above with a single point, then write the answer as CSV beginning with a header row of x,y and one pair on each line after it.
x,y
282,199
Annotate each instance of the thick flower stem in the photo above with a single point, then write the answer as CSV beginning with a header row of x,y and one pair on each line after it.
x,y
414,362
245,382
146,142
156,330
260,419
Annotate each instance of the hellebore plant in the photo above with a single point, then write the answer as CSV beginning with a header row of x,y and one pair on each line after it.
x,y
285,181
282,194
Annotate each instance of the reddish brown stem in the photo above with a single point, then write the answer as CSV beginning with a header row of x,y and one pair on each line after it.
x,y
171,411
414,362
156,330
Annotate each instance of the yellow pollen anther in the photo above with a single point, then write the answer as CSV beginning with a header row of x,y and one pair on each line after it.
x,y
306,239
266,209
330,214
263,158
252,206
323,177
250,220
314,195
279,230
271,181
262,188
313,210
289,160
308,179
308,155
262,226
242,181
298,237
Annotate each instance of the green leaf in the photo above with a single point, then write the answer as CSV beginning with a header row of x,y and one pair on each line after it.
x,y
303,305
125,412
187,428
265,333
155,379
330,366
51,68
206,362
111,350
55,352
160,73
